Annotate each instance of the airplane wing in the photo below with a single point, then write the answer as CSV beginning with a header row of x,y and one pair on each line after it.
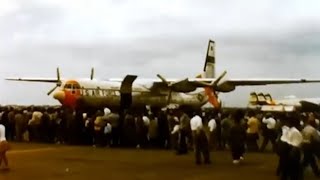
x,y
309,106
250,82
46,80
187,85
225,85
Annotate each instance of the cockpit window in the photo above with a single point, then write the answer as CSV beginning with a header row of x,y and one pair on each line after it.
x,y
68,86
76,86
71,86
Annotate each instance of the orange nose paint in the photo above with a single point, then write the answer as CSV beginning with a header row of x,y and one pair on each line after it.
x,y
70,99
71,94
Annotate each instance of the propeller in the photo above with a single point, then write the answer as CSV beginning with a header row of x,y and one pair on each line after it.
x,y
58,82
169,96
170,86
213,84
92,73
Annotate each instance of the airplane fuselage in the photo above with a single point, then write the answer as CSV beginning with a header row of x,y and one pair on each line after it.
x,y
96,94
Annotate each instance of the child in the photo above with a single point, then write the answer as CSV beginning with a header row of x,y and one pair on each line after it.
x,y
4,147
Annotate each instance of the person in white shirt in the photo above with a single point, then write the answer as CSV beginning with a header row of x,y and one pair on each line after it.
x,y
107,134
4,147
176,129
146,120
310,139
295,140
269,132
196,123
200,140
283,149
212,131
212,124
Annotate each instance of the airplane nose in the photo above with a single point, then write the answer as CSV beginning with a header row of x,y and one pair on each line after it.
x,y
59,95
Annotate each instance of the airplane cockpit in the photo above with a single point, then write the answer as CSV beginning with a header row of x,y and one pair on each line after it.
x,y
72,86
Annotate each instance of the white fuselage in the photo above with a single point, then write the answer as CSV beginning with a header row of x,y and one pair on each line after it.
x,y
97,94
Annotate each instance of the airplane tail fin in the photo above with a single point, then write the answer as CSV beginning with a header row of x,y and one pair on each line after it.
x,y
268,98
209,72
253,99
209,66
262,99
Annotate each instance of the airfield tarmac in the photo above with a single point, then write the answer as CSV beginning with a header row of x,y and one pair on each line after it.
x,y
49,161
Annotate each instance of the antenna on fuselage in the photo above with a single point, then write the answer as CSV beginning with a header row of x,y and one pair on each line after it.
x,y
92,73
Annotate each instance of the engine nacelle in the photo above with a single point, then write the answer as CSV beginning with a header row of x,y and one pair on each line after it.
x,y
225,87
183,86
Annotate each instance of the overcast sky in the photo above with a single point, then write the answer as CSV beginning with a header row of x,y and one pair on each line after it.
x,y
266,38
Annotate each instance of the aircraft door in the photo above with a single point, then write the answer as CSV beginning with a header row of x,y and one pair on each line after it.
x,y
126,91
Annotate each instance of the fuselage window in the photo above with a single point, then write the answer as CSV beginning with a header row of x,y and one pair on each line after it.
x,y
98,91
76,86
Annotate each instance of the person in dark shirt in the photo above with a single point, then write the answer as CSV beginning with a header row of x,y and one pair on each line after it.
x,y
237,138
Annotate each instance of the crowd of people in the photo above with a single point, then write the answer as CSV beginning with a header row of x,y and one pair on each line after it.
x,y
293,136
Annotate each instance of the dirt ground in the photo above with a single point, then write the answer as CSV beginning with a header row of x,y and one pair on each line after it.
x,y
41,161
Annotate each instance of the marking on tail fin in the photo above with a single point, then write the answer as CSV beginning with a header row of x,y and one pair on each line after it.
x,y
211,52
209,66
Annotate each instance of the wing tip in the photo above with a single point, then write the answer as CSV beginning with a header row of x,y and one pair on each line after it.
x,y
13,79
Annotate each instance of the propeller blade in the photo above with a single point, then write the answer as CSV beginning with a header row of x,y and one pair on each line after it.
x,y
219,78
58,74
213,83
179,82
92,73
58,82
52,90
162,79
169,97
